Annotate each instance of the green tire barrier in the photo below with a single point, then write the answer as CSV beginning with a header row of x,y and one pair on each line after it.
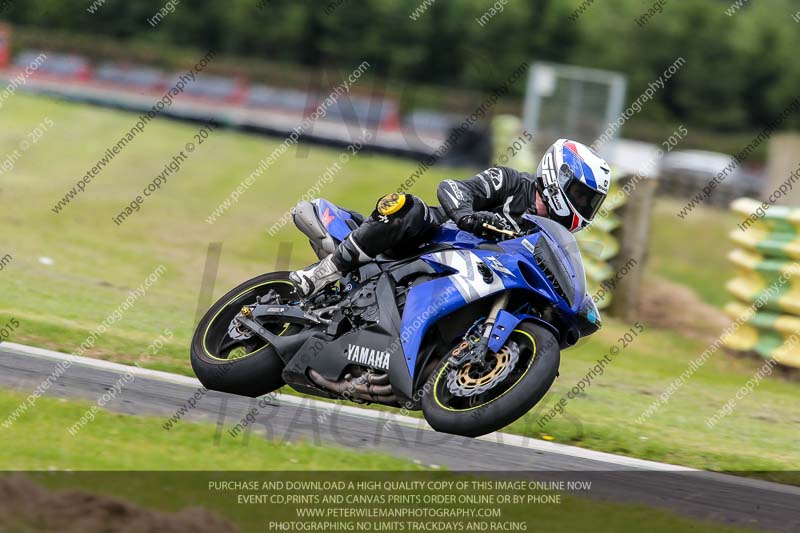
x,y
600,245
599,242
768,275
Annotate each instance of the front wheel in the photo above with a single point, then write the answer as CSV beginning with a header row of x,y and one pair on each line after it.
x,y
472,401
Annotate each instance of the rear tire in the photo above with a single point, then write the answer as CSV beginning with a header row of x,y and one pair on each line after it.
x,y
524,387
254,373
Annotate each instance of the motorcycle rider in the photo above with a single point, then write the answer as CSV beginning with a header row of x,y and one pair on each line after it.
x,y
569,186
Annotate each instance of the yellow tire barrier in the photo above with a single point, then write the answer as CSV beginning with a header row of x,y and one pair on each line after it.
x,y
770,335
775,234
767,282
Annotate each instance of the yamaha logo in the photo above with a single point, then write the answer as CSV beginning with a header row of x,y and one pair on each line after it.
x,y
368,357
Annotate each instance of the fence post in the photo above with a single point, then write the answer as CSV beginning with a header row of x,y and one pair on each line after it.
x,y
634,236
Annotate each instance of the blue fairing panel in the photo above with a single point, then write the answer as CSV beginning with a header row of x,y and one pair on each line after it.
x,y
333,219
429,302
425,305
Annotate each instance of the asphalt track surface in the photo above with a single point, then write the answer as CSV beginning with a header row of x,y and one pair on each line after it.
x,y
709,496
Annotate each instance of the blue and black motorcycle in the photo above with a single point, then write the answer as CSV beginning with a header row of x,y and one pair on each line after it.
x,y
466,329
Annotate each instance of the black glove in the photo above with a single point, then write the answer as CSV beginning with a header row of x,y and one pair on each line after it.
x,y
475,223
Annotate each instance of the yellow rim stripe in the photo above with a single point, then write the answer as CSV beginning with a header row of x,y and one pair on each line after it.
x,y
444,368
205,334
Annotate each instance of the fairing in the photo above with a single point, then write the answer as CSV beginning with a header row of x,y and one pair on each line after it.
x,y
472,269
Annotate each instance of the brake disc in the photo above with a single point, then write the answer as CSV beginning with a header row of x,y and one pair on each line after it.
x,y
467,380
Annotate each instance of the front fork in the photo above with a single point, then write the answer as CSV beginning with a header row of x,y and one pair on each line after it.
x,y
477,355
499,304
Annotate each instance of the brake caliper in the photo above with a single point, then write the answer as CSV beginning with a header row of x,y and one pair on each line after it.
x,y
470,380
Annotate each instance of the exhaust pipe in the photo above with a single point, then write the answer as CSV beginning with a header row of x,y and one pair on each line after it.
x,y
376,388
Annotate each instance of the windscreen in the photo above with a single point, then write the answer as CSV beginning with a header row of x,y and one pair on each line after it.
x,y
568,245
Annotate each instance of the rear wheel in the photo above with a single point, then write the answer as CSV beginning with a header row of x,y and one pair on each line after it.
x,y
231,359
473,401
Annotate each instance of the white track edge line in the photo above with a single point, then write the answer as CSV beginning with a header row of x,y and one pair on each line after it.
x,y
497,437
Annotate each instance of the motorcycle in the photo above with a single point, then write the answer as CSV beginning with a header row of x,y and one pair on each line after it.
x,y
466,329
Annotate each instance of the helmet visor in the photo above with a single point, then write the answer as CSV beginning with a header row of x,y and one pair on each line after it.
x,y
583,198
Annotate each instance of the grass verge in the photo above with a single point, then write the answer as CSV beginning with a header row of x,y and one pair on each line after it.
x,y
129,444
71,270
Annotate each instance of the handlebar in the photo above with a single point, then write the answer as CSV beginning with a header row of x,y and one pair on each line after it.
x,y
510,233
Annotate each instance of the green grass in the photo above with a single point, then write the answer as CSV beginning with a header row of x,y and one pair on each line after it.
x,y
757,436
115,442
124,443
693,251
96,264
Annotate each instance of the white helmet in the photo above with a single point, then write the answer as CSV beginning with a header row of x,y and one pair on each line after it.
x,y
573,182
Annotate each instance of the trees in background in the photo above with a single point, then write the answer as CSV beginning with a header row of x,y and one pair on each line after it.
x,y
739,71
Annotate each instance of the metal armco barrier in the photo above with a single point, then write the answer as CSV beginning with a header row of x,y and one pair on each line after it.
x,y
768,272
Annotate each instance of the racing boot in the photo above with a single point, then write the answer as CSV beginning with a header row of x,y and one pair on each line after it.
x,y
313,279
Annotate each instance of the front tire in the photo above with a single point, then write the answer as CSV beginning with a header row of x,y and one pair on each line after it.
x,y
248,368
514,395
